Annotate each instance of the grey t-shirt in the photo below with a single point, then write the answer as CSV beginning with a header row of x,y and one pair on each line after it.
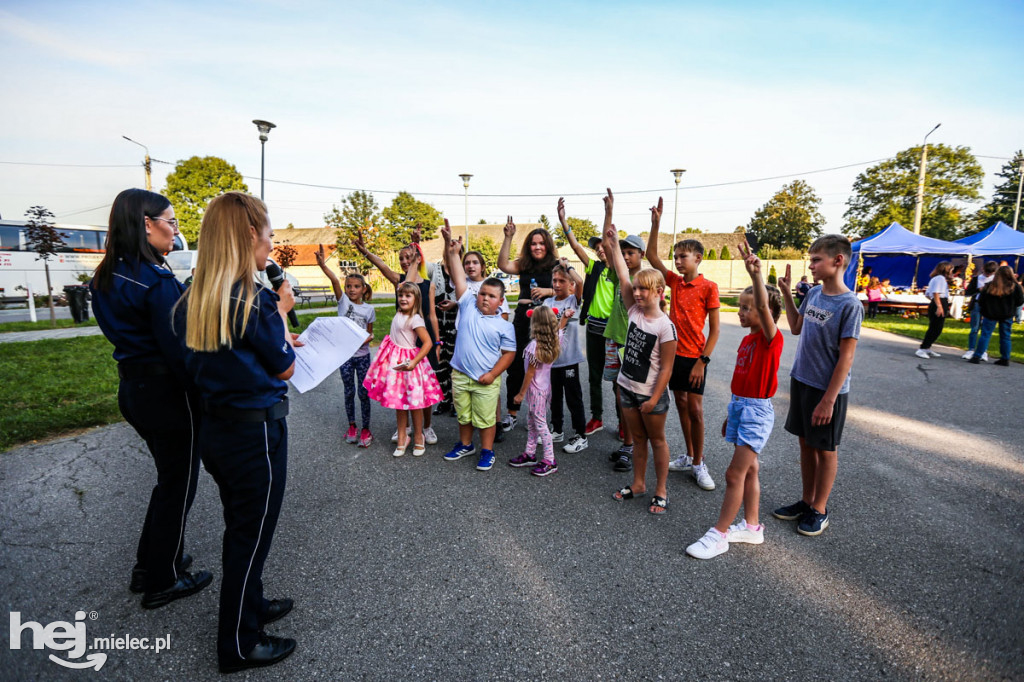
x,y
827,320
570,353
360,313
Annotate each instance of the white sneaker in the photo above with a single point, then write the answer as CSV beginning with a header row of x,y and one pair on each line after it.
x,y
508,423
968,355
984,356
934,354
556,436
741,532
922,353
700,472
711,545
681,463
429,436
577,444
394,436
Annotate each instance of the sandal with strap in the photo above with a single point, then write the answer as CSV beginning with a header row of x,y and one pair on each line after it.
x,y
624,493
659,505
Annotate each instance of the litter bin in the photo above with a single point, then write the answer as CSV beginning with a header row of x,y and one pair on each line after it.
x,y
77,296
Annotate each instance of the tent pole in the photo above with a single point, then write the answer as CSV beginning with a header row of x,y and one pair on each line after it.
x,y
917,264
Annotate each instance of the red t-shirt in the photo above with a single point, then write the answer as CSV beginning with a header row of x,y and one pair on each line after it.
x,y
757,366
691,302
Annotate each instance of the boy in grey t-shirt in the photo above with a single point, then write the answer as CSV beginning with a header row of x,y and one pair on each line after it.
x,y
565,372
828,324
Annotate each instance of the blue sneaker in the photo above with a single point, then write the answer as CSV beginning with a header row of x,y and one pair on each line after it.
x,y
460,451
813,523
486,460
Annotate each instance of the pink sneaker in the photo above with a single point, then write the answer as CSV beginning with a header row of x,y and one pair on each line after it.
x,y
365,438
544,469
351,436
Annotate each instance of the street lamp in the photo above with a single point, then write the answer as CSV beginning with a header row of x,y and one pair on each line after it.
x,y
678,173
465,184
264,127
920,182
147,165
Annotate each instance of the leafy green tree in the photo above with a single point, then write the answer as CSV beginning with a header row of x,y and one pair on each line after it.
x,y
192,184
790,218
359,214
486,246
1004,199
710,255
887,192
725,255
43,238
584,229
740,229
773,277
402,216
481,222
556,232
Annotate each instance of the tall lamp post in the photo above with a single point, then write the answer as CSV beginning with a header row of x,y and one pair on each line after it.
x,y
465,184
678,173
264,127
1020,184
920,182
147,165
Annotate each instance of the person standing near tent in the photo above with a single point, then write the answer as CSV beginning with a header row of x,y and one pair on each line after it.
x,y
938,308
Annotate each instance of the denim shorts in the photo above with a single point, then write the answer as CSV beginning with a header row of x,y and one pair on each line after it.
x,y
633,401
750,422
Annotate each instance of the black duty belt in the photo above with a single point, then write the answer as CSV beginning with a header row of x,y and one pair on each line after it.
x,y
141,370
237,414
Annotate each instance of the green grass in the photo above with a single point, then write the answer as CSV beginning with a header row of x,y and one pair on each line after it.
x,y
954,333
43,323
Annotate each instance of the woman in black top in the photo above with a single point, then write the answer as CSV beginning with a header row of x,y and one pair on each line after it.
x,y
537,258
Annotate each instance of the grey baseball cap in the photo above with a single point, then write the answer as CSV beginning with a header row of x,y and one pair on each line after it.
x,y
633,241
593,242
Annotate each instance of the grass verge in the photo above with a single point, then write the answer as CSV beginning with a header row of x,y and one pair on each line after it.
x,y
954,333
43,324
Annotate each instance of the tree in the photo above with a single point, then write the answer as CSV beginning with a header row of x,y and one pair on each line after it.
x,y
359,214
557,234
402,216
43,238
583,229
481,222
887,193
711,255
285,255
790,218
192,184
487,247
724,254
1004,199
740,229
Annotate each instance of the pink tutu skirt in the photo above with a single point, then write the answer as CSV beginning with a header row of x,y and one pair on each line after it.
x,y
401,390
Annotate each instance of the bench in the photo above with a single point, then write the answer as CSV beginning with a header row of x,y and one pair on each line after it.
x,y
306,294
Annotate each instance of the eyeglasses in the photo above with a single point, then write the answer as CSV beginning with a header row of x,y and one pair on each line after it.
x,y
173,222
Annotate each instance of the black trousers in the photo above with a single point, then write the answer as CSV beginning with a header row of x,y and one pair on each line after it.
x,y
166,416
249,462
935,323
566,381
595,372
516,371
446,325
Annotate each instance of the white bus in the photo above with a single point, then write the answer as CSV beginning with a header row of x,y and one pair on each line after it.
x,y
83,251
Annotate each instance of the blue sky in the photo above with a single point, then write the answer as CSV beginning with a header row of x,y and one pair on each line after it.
x,y
532,98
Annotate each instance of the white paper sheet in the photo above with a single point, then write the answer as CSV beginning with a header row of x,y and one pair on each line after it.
x,y
328,344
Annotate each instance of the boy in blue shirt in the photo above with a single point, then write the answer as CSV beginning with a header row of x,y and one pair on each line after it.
x,y
828,324
484,348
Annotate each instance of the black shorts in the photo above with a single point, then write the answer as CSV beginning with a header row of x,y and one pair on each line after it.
x,y
802,401
680,380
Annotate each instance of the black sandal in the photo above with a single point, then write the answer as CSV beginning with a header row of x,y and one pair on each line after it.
x,y
659,505
625,493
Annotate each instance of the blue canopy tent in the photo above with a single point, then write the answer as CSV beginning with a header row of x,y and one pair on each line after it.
x,y
999,242
902,257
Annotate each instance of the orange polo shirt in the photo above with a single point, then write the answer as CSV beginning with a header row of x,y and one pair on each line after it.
x,y
691,302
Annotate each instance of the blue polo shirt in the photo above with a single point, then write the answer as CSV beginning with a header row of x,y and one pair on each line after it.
x,y
135,314
245,375
481,339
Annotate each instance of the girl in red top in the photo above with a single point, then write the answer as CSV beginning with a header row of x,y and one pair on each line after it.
x,y
750,417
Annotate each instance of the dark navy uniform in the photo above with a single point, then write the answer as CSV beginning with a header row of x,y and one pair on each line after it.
x,y
157,399
245,448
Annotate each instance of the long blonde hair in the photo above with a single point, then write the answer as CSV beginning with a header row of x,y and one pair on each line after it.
x,y
544,330
224,261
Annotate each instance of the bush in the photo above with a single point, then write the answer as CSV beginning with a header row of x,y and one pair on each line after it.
x,y
725,255
710,255
772,277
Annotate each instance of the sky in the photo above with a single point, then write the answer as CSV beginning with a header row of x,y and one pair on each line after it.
x,y
535,99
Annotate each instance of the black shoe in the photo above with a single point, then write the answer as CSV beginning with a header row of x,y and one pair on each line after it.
x,y
442,408
138,583
268,651
975,359
187,585
1003,362
499,435
613,456
625,463
792,512
278,609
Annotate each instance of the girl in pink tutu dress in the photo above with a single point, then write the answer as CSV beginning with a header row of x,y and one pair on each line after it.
x,y
398,378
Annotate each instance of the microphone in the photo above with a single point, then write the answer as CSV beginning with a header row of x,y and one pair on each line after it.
x,y
276,276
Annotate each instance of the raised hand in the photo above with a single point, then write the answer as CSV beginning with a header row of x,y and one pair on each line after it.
x,y
609,202
446,232
785,282
561,210
454,246
656,212
510,228
358,243
321,260
750,260
417,232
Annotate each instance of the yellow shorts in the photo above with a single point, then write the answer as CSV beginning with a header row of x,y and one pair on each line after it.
x,y
475,403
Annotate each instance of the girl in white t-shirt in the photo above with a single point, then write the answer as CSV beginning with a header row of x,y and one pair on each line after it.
x,y
647,359
938,308
398,378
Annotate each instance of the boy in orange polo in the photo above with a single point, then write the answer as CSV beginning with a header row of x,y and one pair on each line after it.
x,y
694,301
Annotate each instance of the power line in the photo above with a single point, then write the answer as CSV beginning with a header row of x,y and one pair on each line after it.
x,y
69,165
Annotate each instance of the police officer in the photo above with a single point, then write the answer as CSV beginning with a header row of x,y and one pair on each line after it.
x,y
132,297
239,354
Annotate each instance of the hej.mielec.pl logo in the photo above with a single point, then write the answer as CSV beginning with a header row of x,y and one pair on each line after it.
x,y
71,637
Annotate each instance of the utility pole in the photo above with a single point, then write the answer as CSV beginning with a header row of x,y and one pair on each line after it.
x,y
1020,184
147,164
920,182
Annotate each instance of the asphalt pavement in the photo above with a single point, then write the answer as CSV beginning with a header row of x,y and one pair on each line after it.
x,y
420,569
